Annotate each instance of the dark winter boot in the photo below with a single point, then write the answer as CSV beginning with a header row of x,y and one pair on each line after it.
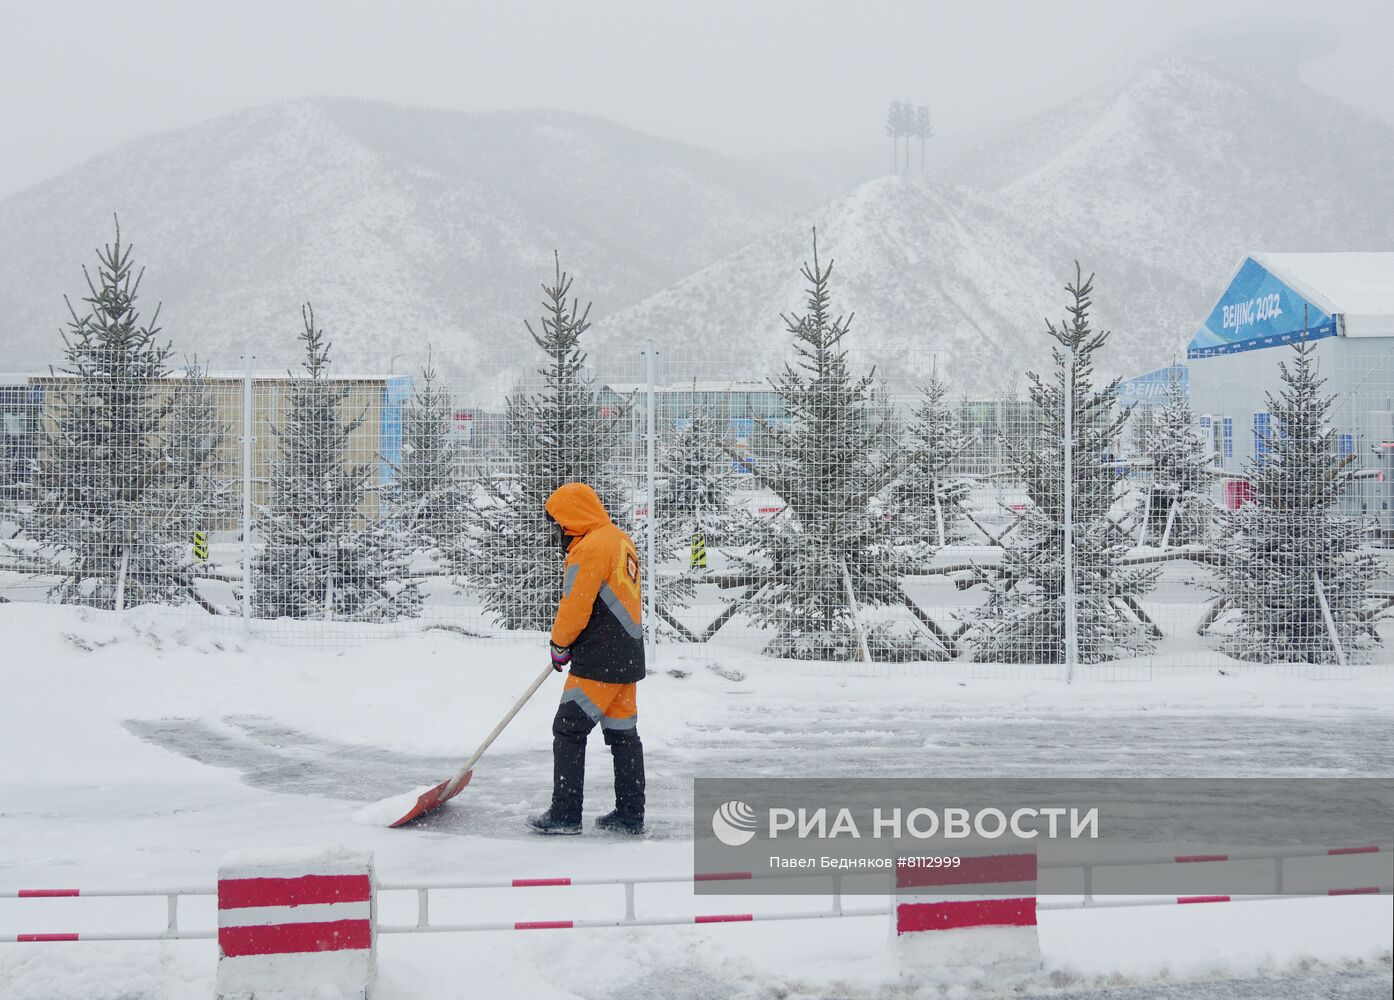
x,y
628,752
548,823
614,822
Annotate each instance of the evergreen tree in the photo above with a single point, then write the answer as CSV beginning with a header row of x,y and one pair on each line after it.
x,y
321,557
906,127
1023,620
1142,427
924,129
555,436
895,123
695,511
1291,535
1179,509
829,466
196,495
428,501
99,517
696,480
929,502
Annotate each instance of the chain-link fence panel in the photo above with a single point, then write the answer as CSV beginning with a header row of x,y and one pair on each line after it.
x,y
830,516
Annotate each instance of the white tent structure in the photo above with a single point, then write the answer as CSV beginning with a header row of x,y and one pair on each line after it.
x,y
1344,303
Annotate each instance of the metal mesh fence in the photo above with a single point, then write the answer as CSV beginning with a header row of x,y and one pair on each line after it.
x,y
1227,514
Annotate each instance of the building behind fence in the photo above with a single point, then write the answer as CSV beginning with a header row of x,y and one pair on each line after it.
x,y
1233,511
954,563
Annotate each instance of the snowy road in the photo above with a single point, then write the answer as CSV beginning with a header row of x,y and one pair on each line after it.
x,y
693,982
143,750
1365,984
743,737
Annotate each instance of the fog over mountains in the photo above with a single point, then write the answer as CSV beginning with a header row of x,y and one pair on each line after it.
x,y
1158,184
408,227
404,227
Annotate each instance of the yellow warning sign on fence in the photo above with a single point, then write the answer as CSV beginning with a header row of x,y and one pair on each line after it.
x,y
699,551
201,546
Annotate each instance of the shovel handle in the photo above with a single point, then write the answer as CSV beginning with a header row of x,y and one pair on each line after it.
x,y
488,740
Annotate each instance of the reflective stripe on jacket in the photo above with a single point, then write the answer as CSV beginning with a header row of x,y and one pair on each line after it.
x,y
599,616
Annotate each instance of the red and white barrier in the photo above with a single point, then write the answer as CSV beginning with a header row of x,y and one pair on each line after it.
x,y
981,912
323,903
296,924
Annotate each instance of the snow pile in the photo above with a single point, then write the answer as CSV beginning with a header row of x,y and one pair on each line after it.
x,y
387,811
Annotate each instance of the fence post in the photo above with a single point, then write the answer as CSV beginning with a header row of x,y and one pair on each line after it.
x,y
855,612
651,528
1330,622
247,493
1071,616
119,601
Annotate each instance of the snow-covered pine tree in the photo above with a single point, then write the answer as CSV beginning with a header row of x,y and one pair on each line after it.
x,y
1292,534
1023,620
695,513
429,499
928,500
321,557
924,129
97,515
696,480
895,124
554,436
829,465
198,496
1141,426
1179,511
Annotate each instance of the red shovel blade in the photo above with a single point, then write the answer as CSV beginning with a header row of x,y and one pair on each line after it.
x,y
432,799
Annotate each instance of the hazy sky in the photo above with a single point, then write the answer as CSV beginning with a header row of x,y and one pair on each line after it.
x,y
741,77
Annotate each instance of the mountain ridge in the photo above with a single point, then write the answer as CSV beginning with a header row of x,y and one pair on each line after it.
x,y
1154,184
404,226
412,229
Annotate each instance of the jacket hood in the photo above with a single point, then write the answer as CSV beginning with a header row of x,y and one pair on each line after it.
x,y
577,509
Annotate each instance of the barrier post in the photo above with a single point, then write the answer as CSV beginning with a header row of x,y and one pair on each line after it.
x,y
981,913
293,924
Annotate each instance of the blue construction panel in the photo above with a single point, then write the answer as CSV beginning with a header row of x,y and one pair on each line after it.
x,y
395,393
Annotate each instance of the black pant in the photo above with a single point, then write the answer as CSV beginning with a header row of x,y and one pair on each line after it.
x,y
569,731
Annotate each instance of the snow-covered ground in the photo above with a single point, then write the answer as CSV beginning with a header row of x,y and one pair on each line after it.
x,y
138,750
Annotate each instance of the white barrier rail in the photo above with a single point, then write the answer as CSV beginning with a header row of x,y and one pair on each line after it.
x,y
1094,903
1279,857
172,931
636,921
631,918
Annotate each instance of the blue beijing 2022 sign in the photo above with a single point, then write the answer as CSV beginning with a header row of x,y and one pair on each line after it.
x,y
1258,310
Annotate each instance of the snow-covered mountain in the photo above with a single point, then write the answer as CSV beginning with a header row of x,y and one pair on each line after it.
x,y
932,275
408,227
1159,184
404,226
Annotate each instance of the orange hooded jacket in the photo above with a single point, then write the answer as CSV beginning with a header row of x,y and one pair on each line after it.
x,y
600,616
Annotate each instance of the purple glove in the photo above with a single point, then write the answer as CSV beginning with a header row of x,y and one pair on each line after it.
x,y
561,656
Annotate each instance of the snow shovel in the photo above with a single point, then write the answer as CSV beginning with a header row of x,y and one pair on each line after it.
x,y
433,798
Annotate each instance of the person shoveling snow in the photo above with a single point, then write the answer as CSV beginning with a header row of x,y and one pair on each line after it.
x,y
598,633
